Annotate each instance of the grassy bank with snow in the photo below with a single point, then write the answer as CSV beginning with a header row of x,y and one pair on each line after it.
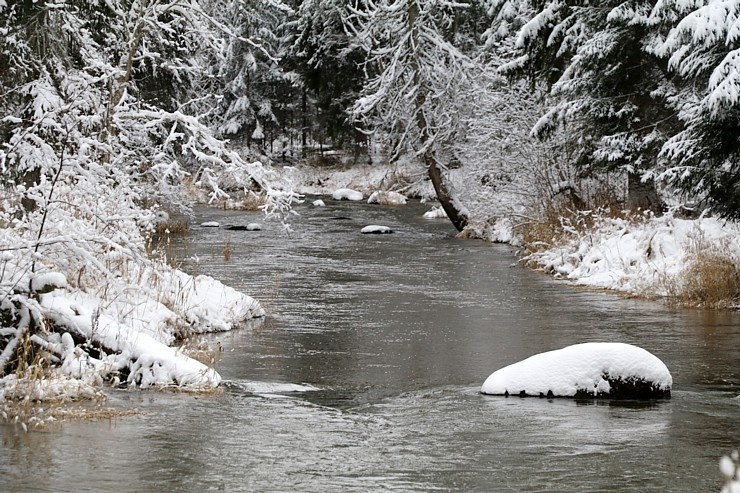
x,y
692,262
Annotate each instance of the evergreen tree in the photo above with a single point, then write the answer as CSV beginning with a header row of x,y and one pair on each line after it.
x,y
701,42
329,68
608,90
255,90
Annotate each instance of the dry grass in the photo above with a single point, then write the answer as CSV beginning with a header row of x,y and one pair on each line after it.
x,y
251,201
712,280
173,227
201,351
227,250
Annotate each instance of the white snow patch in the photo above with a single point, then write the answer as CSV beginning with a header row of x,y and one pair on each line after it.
x,y
48,281
579,368
734,487
375,229
436,213
210,224
387,198
347,194
274,388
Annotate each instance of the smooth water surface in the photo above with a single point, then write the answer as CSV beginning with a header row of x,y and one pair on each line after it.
x,y
388,338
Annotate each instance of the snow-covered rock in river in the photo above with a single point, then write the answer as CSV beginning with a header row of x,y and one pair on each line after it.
x,y
386,198
248,227
376,230
347,194
436,213
614,370
319,203
210,224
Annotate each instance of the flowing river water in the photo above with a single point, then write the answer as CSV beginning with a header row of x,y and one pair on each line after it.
x,y
365,376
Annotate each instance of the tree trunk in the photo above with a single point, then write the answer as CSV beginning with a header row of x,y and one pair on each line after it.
x,y
30,179
642,195
455,211
445,194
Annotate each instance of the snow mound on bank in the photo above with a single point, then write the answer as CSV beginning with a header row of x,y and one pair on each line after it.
x,y
347,194
137,332
210,306
589,369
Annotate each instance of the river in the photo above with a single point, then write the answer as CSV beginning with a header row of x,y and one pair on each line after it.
x,y
365,377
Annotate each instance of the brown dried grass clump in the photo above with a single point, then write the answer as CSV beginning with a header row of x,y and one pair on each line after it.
x,y
201,351
711,280
173,227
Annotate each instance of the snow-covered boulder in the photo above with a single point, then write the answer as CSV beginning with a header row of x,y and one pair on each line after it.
x,y
319,203
614,370
248,227
210,224
436,213
347,194
386,198
376,230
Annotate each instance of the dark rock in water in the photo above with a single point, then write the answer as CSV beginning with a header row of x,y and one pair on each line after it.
x,y
620,390
248,227
341,218
632,388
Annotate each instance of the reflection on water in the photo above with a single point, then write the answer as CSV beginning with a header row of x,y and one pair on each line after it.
x,y
365,377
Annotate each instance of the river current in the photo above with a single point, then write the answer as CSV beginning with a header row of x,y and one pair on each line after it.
x,y
365,376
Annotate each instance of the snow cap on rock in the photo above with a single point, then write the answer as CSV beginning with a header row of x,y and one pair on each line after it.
x,y
589,370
